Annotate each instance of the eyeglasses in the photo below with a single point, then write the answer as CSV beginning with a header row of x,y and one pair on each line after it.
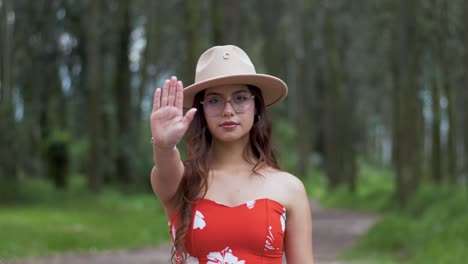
x,y
214,104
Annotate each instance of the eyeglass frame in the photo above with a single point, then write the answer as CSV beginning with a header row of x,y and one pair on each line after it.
x,y
252,96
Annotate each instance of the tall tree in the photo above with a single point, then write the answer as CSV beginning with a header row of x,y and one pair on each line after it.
x,y
339,149
436,164
193,29
465,8
125,121
225,22
94,111
435,82
300,95
445,75
408,114
8,126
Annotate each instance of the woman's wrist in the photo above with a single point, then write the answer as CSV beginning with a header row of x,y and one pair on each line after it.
x,y
162,146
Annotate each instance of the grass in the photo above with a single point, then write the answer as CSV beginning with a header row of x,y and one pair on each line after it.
x,y
77,220
433,228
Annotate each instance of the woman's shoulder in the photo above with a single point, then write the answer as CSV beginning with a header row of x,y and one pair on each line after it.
x,y
285,185
283,178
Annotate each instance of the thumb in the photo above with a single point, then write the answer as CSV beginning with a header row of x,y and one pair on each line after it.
x,y
189,116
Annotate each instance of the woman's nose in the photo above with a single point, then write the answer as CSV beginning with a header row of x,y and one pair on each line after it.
x,y
228,110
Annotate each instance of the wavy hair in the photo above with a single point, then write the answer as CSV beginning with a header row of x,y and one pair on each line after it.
x,y
194,181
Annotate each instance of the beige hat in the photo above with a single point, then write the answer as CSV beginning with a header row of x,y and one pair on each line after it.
x,y
229,64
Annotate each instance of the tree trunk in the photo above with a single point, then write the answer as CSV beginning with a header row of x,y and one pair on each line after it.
x,y
225,22
409,117
339,149
297,91
8,149
193,32
445,73
436,157
466,91
436,144
149,59
6,98
123,102
93,59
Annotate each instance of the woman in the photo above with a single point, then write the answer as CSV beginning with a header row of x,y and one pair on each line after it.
x,y
228,202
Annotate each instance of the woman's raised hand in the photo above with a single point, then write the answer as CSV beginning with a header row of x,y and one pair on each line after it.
x,y
168,124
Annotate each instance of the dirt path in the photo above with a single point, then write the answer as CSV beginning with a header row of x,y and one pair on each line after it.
x,y
333,232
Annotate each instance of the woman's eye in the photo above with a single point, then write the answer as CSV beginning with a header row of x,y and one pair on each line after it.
x,y
241,98
214,100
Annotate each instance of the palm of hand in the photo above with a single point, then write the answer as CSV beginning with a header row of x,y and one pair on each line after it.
x,y
168,125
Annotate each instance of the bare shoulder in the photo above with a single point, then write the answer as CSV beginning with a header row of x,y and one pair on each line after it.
x,y
287,180
287,188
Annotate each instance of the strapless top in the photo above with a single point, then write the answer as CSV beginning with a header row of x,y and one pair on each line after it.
x,y
252,232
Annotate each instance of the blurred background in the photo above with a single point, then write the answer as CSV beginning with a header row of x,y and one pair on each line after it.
x,y
375,119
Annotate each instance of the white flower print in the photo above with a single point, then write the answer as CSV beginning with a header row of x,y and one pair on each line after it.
x,y
192,260
250,204
269,241
283,219
199,221
223,257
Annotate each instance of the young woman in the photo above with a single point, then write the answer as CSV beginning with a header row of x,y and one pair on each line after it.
x,y
228,202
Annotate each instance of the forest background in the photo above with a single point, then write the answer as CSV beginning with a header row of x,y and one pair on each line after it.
x,y
375,118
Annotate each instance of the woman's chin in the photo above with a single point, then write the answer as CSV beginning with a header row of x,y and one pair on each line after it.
x,y
229,138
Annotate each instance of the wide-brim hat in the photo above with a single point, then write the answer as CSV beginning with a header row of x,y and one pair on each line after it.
x,y
221,65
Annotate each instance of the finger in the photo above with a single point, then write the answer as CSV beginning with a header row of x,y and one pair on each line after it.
x,y
189,116
172,91
179,100
157,100
165,91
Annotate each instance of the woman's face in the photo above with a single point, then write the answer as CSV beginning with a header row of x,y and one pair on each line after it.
x,y
229,111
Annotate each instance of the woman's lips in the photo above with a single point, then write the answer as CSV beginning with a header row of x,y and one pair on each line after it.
x,y
229,124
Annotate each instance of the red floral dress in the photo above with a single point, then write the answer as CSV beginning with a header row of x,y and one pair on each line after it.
x,y
252,232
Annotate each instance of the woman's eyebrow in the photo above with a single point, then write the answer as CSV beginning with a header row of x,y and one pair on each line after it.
x,y
240,91
213,93
220,94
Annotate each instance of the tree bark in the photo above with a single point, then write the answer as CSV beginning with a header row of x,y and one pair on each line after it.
x,y
339,148
149,59
8,150
297,91
409,116
465,7
193,32
436,157
225,22
126,143
445,73
93,70
7,37
436,144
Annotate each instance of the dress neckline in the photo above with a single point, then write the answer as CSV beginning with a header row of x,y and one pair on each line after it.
x,y
213,202
241,204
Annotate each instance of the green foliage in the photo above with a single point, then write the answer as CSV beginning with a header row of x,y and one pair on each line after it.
x,y
374,189
433,228
284,139
48,221
438,235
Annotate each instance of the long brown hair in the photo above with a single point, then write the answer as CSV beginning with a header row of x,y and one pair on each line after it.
x,y
194,181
